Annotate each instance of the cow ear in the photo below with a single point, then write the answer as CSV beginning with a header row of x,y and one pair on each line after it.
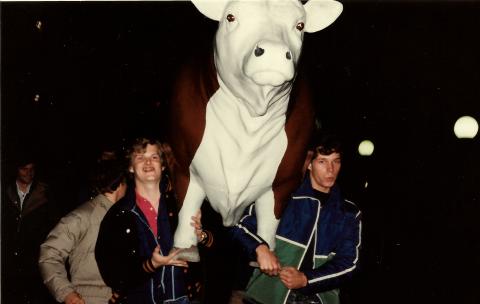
x,y
321,13
213,9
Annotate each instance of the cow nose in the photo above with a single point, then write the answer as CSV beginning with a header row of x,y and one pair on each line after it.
x,y
258,51
288,55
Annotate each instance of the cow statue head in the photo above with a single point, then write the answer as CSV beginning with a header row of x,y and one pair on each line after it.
x,y
258,44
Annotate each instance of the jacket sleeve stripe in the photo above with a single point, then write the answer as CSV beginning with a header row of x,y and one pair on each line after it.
x,y
304,197
249,213
333,275
145,267
253,235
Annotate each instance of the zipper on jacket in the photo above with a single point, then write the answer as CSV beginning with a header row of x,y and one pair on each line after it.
x,y
146,224
152,287
152,290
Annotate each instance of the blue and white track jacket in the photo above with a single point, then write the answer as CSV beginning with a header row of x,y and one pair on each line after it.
x,y
335,230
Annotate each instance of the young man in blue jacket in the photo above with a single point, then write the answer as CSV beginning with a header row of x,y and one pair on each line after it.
x,y
317,240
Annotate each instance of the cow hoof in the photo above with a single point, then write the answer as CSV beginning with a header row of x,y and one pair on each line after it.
x,y
188,254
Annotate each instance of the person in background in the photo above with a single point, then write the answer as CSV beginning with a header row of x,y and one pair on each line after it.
x,y
86,188
28,214
73,239
317,240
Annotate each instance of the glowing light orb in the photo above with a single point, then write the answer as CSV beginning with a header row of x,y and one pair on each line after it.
x,y
465,127
365,148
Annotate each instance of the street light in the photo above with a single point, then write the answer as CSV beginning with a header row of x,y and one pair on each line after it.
x,y
465,127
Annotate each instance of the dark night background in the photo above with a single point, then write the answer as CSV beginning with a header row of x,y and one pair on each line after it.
x,y
397,73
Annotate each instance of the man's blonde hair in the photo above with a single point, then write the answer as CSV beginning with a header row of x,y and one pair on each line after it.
x,y
140,144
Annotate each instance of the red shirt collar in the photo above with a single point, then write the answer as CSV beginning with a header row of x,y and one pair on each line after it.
x,y
148,210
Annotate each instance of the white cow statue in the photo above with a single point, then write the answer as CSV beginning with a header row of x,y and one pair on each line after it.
x,y
241,118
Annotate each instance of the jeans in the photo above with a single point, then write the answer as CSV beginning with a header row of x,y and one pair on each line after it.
x,y
298,298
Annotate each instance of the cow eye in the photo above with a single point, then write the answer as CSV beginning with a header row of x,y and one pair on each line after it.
x,y
300,26
230,18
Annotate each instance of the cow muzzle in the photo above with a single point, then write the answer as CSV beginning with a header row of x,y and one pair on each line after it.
x,y
270,63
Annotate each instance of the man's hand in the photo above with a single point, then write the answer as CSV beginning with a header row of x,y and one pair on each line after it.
x,y
267,260
74,298
159,260
292,278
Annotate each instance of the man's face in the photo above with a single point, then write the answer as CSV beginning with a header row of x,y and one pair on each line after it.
x,y
146,166
26,173
324,170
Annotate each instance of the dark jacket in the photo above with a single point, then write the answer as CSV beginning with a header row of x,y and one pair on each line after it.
x,y
22,233
335,229
125,242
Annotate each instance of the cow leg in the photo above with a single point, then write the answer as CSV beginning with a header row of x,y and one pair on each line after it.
x,y
185,236
266,221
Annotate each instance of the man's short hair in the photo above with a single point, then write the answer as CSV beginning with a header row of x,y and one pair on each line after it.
x,y
139,145
108,175
24,158
325,143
